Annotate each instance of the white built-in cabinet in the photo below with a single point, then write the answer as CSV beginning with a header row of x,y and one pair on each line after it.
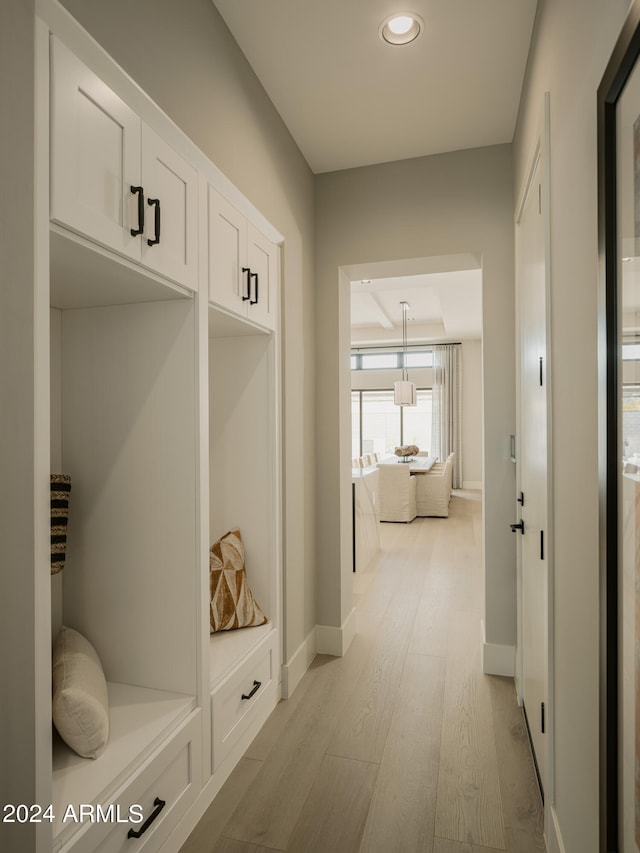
x,y
114,179
162,403
243,264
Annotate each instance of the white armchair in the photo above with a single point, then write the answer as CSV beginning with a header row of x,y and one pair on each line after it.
x,y
397,493
433,491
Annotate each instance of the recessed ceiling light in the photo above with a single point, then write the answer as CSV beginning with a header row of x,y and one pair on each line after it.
x,y
401,28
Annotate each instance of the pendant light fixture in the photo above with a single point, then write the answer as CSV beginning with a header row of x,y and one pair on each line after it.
x,y
404,392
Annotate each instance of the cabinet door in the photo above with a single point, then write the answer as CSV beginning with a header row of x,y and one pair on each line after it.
x,y
170,241
95,156
262,260
228,285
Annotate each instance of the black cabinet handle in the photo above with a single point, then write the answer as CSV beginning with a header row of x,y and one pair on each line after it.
x,y
519,526
159,805
254,689
155,203
247,296
140,193
254,301
520,500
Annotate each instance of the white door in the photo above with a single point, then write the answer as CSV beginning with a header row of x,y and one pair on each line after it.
x,y
533,463
262,261
95,156
170,241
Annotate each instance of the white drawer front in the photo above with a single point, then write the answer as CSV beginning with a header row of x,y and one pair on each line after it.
x,y
173,776
231,714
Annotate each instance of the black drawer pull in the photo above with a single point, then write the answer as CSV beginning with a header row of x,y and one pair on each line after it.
x,y
155,203
254,690
159,805
254,301
247,296
140,193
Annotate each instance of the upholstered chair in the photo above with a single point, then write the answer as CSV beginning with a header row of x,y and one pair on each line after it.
x,y
397,493
433,491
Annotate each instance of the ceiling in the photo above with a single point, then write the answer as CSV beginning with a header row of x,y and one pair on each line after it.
x,y
442,306
349,99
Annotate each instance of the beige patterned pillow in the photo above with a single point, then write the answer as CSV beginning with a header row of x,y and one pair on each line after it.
x,y
232,602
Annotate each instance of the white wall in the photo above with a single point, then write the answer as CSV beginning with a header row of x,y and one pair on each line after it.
x,y
572,43
443,205
471,402
184,57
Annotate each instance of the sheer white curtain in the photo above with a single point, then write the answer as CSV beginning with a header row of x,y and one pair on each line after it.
x,y
446,427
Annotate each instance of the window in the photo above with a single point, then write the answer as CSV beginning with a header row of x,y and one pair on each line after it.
x,y
355,425
416,421
390,360
379,426
631,420
380,422
378,360
631,352
418,359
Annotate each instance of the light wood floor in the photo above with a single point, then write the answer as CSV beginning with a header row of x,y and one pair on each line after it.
x,y
403,745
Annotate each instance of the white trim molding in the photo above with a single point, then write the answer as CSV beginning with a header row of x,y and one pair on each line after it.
x,y
322,640
293,671
336,641
497,659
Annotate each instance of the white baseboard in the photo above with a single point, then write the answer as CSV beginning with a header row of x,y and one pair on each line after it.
x,y
472,485
497,659
554,840
336,641
299,663
322,640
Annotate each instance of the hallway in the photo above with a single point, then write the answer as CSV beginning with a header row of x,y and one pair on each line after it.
x,y
402,745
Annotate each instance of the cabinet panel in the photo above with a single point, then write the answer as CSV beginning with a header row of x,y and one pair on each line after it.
x,y
171,188
172,775
111,174
262,259
235,704
95,150
227,249
243,264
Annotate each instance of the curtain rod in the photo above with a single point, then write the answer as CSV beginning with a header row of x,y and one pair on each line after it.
x,y
398,347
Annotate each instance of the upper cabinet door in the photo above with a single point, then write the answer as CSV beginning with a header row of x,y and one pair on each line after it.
x,y
243,264
262,261
228,284
95,150
170,242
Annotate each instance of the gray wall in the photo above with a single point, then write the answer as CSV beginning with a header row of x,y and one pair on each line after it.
x,y
18,624
447,204
572,43
184,57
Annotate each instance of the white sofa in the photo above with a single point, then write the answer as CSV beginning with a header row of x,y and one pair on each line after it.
x,y
433,490
397,493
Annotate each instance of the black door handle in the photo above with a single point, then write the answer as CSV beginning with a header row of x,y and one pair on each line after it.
x,y
247,296
519,526
140,193
155,203
256,686
159,805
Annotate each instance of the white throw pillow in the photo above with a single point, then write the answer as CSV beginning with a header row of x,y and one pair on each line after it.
x,y
80,702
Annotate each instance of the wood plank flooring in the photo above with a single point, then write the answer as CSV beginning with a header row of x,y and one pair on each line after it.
x,y
403,745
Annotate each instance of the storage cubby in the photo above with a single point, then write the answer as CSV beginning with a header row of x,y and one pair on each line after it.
x,y
124,415
244,489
